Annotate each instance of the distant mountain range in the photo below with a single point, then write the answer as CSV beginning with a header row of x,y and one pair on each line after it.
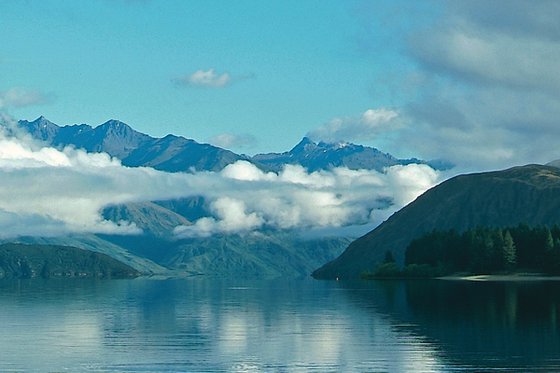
x,y
170,153
322,156
175,153
266,253
528,194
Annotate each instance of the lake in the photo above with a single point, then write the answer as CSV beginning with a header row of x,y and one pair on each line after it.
x,y
211,325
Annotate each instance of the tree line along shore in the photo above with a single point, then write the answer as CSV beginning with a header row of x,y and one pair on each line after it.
x,y
482,250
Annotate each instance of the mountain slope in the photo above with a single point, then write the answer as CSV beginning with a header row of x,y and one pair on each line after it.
x,y
257,255
254,255
28,261
113,137
94,243
321,156
171,153
174,153
150,217
528,194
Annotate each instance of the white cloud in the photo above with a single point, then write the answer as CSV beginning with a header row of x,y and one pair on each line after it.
x,y
493,58
231,217
206,78
366,127
295,198
244,170
21,97
479,81
44,191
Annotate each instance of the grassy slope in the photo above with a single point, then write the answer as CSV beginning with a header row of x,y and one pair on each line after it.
x,y
29,261
96,244
528,194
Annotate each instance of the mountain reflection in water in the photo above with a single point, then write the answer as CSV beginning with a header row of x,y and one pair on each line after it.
x,y
277,326
477,325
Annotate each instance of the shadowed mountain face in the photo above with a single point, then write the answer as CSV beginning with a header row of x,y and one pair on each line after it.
x,y
528,194
266,254
113,137
147,216
171,153
321,156
29,261
174,153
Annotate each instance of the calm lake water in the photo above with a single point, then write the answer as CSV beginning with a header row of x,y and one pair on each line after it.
x,y
208,325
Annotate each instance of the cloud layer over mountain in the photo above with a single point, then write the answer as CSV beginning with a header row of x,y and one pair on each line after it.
x,y
45,191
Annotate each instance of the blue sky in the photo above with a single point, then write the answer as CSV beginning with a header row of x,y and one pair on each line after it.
x,y
468,81
293,65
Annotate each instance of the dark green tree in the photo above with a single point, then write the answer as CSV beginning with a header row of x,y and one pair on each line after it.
x,y
509,251
389,258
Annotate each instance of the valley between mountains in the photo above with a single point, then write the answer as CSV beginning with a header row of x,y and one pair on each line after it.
x,y
305,211
200,234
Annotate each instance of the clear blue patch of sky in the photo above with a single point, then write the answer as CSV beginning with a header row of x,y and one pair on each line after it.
x,y
295,64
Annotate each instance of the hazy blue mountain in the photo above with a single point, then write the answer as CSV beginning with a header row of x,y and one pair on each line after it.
x,y
171,153
94,243
41,129
254,255
528,194
113,137
260,254
191,208
555,163
148,216
175,153
320,156
29,261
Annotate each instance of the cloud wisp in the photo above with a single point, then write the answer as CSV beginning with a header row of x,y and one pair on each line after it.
x,y
233,141
365,127
205,79
210,79
21,97
49,192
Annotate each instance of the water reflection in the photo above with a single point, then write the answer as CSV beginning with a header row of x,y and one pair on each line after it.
x,y
277,326
480,326
199,325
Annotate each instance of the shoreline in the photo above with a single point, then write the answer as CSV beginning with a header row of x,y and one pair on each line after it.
x,y
508,277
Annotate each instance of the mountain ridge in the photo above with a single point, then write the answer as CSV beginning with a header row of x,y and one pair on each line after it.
x,y
21,261
158,249
170,153
321,155
173,153
524,194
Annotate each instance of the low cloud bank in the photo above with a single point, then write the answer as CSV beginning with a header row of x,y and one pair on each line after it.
x,y
295,198
47,192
